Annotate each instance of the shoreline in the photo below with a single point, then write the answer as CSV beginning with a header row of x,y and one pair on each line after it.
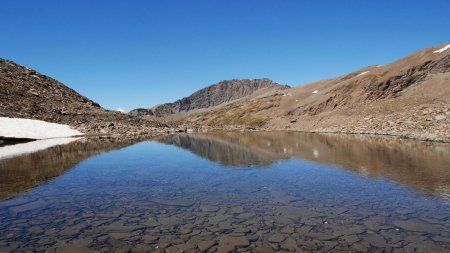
x,y
166,131
408,136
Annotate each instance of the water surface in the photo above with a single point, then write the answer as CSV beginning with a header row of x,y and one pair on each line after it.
x,y
226,192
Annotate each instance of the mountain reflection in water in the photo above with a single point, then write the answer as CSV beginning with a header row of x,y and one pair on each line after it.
x,y
421,165
23,172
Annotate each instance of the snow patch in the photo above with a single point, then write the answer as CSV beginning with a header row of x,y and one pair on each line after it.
x,y
316,91
34,129
33,146
120,110
363,73
289,94
442,49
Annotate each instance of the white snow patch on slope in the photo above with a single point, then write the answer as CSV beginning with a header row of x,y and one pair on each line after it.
x,y
363,73
315,91
120,110
442,49
31,147
34,129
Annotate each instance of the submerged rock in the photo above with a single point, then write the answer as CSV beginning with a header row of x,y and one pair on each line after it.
x,y
27,207
175,202
415,225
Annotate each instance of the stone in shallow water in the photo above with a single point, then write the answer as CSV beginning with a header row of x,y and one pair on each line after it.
x,y
230,243
185,230
242,230
185,246
404,211
151,223
297,212
205,245
8,248
265,248
27,207
351,238
359,247
287,230
236,210
277,238
415,225
15,202
435,249
70,248
322,236
376,240
73,230
304,230
143,248
289,244
119,236
150,238
36,230
170,221
121,228
245,216
209,208
442,239
184,202
218,218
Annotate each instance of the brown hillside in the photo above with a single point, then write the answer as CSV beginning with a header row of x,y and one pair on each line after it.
x,y
25,93
409,97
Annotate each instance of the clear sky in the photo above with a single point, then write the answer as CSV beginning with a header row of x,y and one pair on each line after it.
x,y
132,54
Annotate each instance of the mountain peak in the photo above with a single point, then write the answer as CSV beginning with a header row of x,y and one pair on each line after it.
x,y
222,92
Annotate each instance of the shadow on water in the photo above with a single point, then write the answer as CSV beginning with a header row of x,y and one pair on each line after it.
x,y
422,165
12,141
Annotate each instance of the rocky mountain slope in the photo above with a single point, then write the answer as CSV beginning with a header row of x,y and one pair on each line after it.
x,y
211,96
409,97
25,93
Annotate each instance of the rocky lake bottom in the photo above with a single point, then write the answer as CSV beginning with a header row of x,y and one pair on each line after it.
x,y
229,192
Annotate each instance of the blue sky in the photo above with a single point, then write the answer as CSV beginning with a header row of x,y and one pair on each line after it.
x,y
132,54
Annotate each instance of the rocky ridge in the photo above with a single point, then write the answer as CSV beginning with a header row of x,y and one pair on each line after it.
x,y
211,96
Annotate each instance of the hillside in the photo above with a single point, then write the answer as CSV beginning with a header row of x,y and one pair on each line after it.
x,y
409,97
211,96
25,93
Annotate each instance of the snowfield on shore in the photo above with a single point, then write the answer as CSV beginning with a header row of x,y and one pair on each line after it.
x,y
34,129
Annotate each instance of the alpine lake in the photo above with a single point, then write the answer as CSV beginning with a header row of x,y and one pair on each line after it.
x,y
229,192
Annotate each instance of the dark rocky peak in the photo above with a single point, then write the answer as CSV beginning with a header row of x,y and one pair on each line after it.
x,y
140,112
216,94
